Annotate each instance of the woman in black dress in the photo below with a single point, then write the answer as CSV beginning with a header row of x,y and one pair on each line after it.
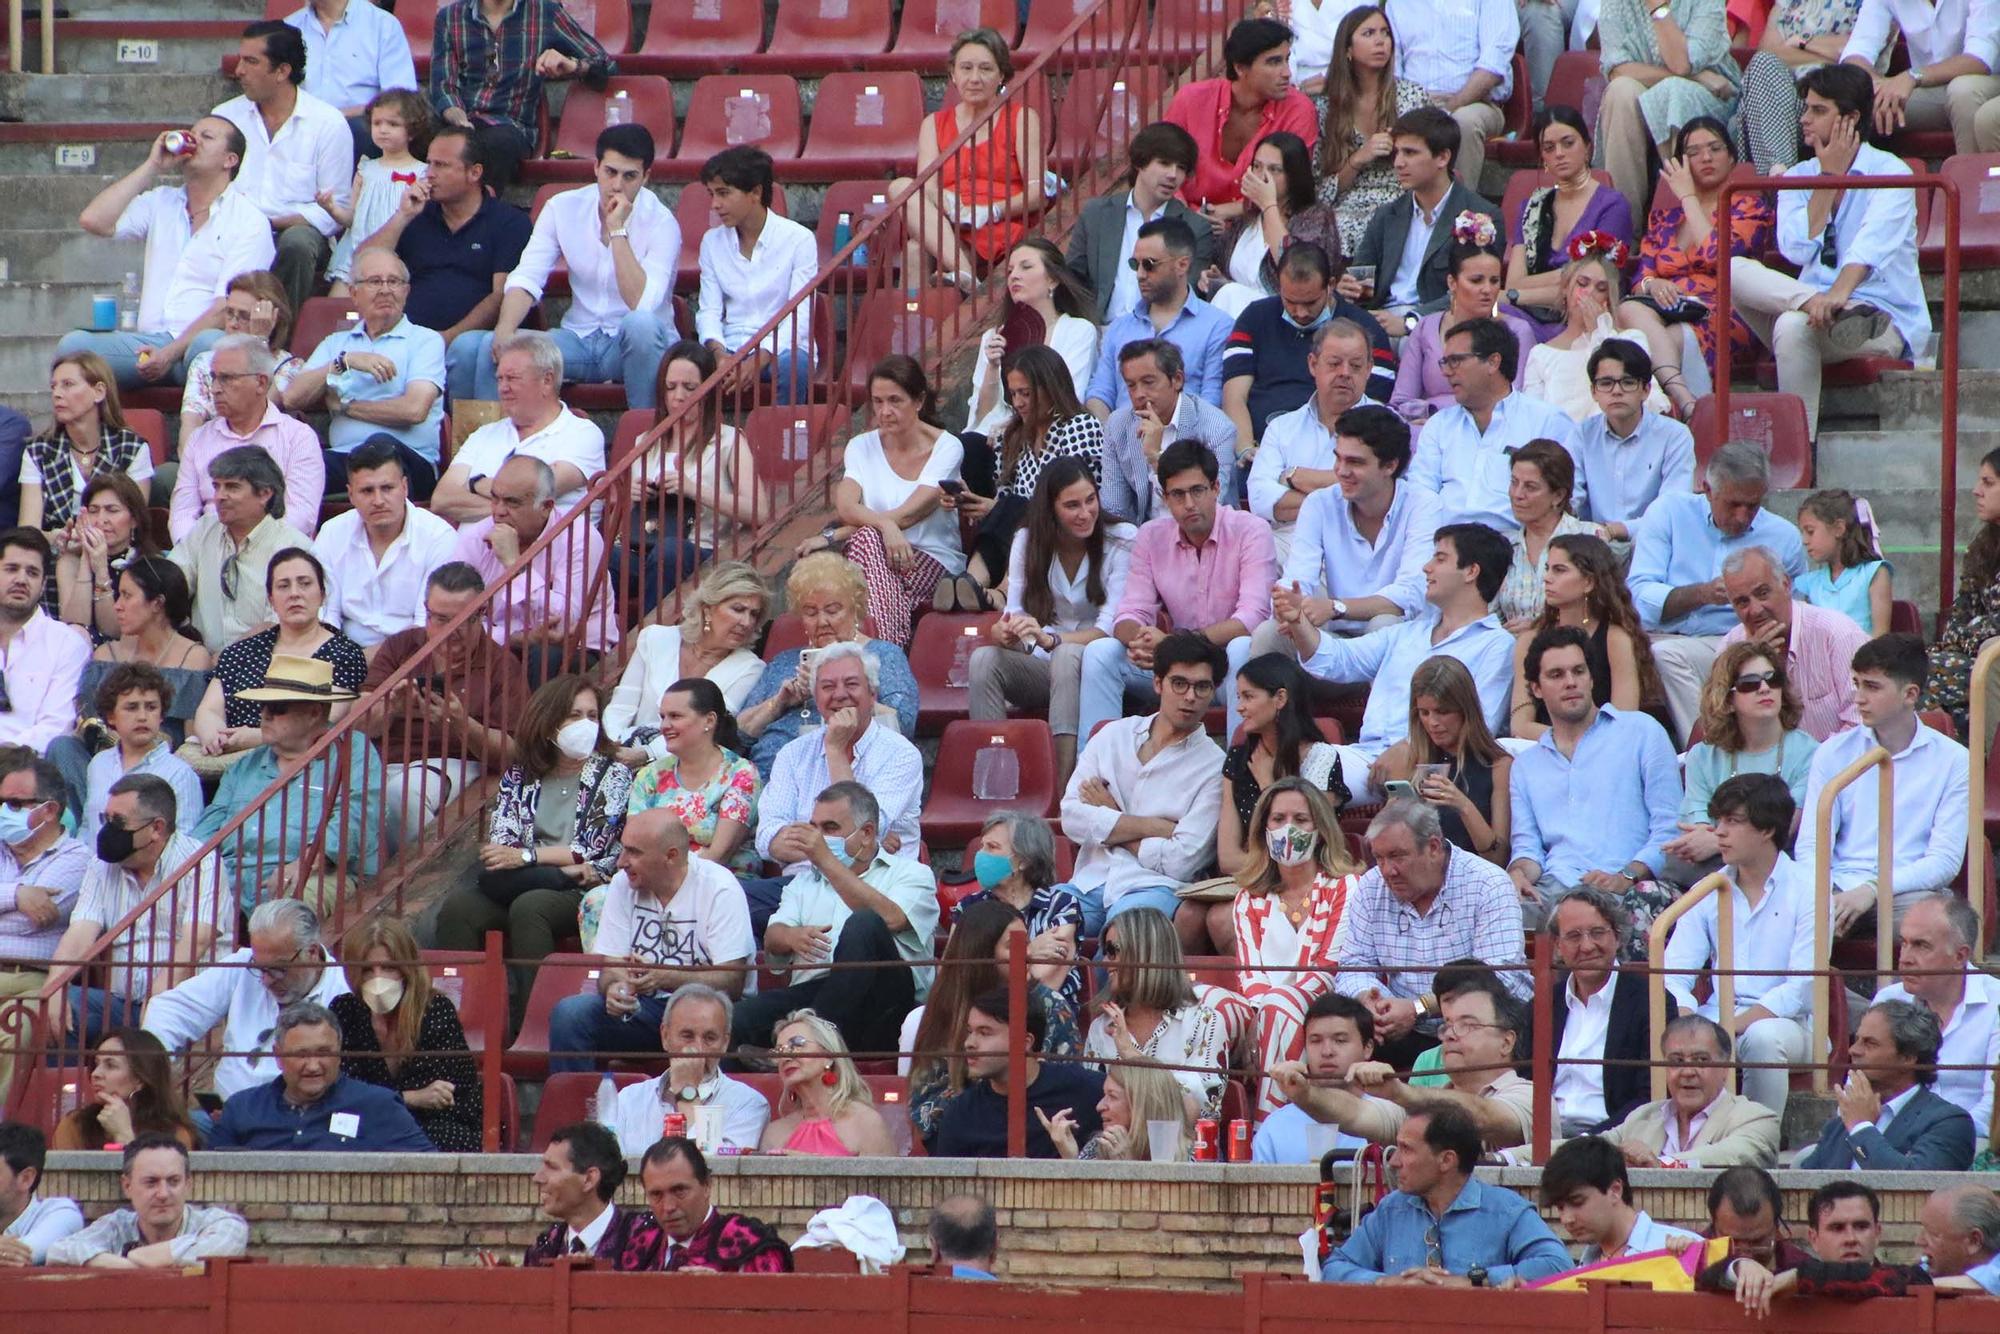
x,y
399,1031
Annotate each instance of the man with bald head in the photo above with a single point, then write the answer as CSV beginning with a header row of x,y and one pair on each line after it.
x,y
1958,1233
1812,646
1935,944
965,1235
552,594
669,918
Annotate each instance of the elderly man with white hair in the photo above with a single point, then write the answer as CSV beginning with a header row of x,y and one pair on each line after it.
x,y
1676,575
1958,1233
1815,644
1937,938
245,990
380,377
535,422
852,745
241,370
720,1111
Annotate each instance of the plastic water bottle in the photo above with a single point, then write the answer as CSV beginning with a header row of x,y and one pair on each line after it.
x,y
128,305
618,109
843,232
606,1107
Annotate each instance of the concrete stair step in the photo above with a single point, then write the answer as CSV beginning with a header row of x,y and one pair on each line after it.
x,y
74,151
70,254
242,11
24,364
52,306
1914,400
110,97
1865,461
50,199
124,45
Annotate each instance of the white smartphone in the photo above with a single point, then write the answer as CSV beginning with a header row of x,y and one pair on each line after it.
x,y
1397,789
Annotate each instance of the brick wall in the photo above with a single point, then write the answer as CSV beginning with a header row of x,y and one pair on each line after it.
x,y
1166,1225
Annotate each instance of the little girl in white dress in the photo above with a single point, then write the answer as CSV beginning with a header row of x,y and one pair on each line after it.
x,y
399,121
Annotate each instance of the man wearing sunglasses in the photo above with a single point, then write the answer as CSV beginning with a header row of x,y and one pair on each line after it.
x,y
1816,644
1168,308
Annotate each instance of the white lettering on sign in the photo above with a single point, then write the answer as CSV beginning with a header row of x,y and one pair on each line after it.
x,y
76,155
138,51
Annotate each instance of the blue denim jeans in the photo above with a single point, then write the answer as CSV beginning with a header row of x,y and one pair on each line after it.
x,y
121,353
630,357
581,1024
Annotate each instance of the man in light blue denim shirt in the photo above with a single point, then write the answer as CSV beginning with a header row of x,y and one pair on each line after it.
x,y
1442,1228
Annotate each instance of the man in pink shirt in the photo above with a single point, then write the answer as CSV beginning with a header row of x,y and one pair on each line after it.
x,y
1818,644
245,415
1229,116
1201,566
545,599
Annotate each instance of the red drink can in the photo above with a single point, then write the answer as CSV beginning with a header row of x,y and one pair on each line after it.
x,y
675,1126
1206,1132
180,143
1239,1141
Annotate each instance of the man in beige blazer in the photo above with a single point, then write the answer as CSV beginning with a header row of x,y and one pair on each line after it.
x,y
1701,1122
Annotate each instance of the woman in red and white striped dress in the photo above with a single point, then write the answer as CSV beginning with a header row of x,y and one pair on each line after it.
x,y
1288,916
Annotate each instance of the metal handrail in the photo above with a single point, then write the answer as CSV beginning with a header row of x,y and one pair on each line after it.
x,y
1978,855
1877,757
1724,962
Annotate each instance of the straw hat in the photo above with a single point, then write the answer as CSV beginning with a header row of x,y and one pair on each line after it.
x,y
291,680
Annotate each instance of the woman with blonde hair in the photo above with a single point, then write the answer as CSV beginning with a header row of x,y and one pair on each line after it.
x,y
1135,1096
1153,1011
1456,764
1750,711
401,1033
1293,889
827,593
1558,370
88,436
716,639
825,1110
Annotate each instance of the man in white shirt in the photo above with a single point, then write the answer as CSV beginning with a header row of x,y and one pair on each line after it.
x,y
244,991
669,918
1954,51
536,423
1359,550
1585,1182
1929,792
752,263
354,50
1935,953
199,236
854,903
1295,456
1465,454
720,1111
30,1222
1858,293
1462,53
622,246
379,555
1772,941
1144,798
1468,563
1603,1032
1626,457
299,152
41,659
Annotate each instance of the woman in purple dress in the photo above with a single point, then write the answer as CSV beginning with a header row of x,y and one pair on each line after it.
x,y
1539,235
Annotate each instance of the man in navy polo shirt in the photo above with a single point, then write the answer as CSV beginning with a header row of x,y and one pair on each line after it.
x,y
311,1105
459,243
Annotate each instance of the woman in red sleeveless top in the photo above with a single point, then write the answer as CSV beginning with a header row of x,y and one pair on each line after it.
x,y
979,203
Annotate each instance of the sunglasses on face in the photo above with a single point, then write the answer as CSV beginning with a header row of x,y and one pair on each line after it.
x,y
1138,265
1753,682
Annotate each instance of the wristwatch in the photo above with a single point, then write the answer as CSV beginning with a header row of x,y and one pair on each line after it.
x,y
1427,1003
340,364
1339,610
1662,11
1410,322
1916,76
1476,1276
619,234
1513,296
527,856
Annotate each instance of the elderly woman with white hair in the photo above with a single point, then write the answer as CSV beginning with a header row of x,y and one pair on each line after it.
x,y
830,598
241,369
713,640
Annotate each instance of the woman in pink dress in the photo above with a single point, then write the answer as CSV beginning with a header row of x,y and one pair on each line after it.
x,y
825,1110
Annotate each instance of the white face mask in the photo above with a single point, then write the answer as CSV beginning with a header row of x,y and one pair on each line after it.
x,y
578,738
382,994
1292,844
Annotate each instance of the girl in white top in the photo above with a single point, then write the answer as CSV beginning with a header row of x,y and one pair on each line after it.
x,y
899,525
1558,370
1078,562
713,640
700,457
1038,281
399,121
1278,184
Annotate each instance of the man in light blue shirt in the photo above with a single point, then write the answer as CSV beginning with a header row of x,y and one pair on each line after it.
x,y
354,50
30,1222
380,376
1858,293
1626,457
1676,574
1167,309
1339,1032
1465,454
1958,1235
1467,566
1594,800
1442,1228
1158,412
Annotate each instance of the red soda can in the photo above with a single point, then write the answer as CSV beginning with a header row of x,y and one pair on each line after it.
x,y
180,143
1205,1141
675,1126
1239,1141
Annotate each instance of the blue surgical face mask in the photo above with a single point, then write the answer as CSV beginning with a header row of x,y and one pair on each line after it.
x,y
837,845
991,868
1325,314
16,826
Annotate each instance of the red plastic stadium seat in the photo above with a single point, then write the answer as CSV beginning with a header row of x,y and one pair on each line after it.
x,y
651,103
49,1092
1515,145
816,35
1524,183
632,423
419,20
1102,109
320,317
860,201
1775,421
781,439
458,976
570,1096
895,322
609,21
928,28
939,652
862,123
697,37
152,426
730,109
1104,34
558,975
1904,618
1185,28
955,812
1577,79
1978,178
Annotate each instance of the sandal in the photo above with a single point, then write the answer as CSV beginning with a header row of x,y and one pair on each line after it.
x,y
958,593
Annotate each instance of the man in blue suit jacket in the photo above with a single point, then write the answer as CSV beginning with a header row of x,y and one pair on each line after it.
x,y
311,1105
1888,1120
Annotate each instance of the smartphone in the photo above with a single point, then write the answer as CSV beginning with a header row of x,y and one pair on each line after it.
x,y
806,657
952,488
1397,789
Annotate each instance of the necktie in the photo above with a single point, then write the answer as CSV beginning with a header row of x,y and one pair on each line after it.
x,y
576,1246
403,177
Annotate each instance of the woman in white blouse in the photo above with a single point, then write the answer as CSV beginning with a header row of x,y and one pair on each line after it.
x,y
895,518
1078,564
713,640
1154,1013
1558,370
1045,304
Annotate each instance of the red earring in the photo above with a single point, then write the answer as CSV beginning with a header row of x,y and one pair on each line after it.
x,y
828,1077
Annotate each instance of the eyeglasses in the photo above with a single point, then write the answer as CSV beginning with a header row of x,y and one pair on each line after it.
x,y
1753,682
1182,686
1433,1247
381,284
227,377
1453,360
1578,937
796,1044
271,972
1187,495
1462,1028
1138,265
1616,384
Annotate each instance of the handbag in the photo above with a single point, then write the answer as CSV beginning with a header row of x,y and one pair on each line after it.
x,y
1689,311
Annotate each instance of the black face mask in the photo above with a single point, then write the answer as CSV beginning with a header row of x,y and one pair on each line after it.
x,y
115,842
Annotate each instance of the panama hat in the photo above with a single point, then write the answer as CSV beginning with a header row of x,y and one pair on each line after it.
x,y
291,680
